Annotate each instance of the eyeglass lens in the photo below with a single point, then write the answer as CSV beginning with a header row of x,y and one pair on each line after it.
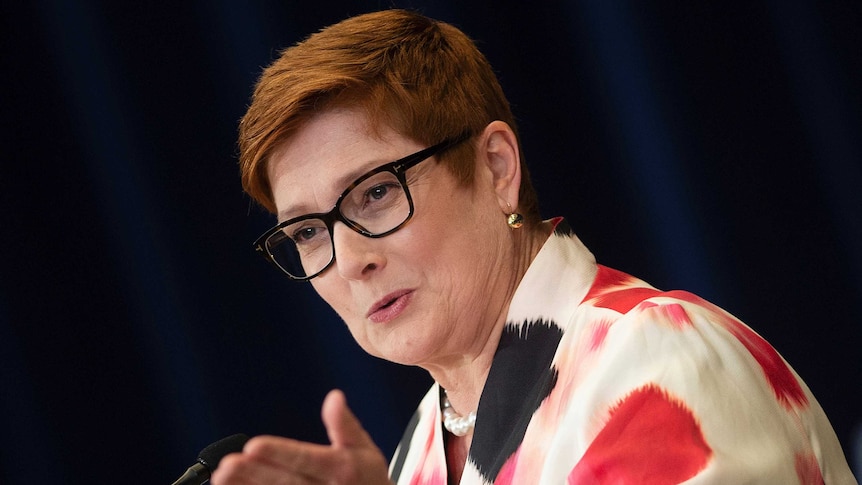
x,y
376,205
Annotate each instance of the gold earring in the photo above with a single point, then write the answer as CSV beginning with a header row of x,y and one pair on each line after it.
x,y
515,220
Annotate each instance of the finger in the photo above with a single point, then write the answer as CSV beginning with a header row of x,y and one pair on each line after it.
x,y
342,426
291,456
244,469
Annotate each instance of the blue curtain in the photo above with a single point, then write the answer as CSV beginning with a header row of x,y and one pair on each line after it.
x,y
699,145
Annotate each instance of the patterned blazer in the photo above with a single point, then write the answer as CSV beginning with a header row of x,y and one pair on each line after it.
x,y
601,378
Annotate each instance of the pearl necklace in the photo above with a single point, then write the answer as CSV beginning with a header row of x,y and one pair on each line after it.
x,y
454,422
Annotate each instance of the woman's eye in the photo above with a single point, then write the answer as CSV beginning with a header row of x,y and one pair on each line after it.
x,y
305,234
378,192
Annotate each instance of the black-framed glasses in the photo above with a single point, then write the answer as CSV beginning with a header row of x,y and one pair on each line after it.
x,y
374,205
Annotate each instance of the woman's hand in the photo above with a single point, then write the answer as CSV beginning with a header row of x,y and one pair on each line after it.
x,y
351,458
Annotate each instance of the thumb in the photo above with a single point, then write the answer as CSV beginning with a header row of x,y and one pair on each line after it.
x,y
342,426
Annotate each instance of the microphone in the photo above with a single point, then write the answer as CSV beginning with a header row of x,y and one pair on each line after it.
x,y
209,458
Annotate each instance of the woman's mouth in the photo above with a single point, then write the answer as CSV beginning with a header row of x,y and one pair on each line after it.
x,y
389,307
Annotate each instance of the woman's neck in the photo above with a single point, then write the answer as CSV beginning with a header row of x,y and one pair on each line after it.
x,y
463,376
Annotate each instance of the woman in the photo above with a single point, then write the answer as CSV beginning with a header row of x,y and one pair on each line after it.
x,y
390,156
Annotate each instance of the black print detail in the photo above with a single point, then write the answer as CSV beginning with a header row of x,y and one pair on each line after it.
x,y
401,455
521,377
564,229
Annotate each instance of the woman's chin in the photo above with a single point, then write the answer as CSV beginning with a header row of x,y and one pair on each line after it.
x,y
404,352
400,356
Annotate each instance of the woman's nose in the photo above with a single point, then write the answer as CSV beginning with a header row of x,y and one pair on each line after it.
x,y
356,256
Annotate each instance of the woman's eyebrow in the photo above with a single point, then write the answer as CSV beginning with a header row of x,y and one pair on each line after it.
x,y
342,182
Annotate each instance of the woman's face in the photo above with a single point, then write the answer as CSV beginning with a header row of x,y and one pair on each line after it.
x,y
428,294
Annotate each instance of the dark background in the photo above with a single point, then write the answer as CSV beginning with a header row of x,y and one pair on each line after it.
x,y
709,146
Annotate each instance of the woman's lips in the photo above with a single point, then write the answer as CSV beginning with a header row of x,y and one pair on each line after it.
x,y
390,306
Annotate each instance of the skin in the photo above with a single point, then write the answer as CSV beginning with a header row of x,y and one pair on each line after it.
x,y
453,268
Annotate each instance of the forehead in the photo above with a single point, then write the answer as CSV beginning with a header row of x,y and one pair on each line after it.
x,y
310,169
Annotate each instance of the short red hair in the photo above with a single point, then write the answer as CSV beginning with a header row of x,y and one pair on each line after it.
x,y
423,78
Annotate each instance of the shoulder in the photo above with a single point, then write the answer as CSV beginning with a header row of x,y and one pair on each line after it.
x,y
678,328
643,366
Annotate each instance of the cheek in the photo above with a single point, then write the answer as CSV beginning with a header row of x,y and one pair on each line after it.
x,y
335,295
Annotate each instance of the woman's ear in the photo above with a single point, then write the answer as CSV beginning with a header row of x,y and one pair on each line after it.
x,y
499,154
